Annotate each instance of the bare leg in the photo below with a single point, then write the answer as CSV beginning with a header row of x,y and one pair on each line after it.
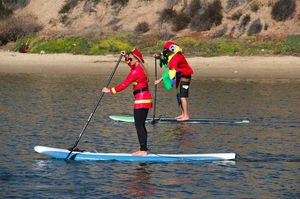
x,y
182,113
184,107
180,116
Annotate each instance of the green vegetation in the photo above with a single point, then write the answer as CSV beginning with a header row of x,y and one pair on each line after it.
x,y
114,43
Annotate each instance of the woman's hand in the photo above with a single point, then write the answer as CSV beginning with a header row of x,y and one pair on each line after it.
x,y
124,54
157,81
105,90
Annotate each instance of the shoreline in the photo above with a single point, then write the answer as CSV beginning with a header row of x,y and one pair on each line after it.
x,y
222,67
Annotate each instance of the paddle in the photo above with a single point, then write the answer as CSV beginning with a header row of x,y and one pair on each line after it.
x,y
155,91
91,115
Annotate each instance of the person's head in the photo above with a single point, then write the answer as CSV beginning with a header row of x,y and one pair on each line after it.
x,y
170,48
135,57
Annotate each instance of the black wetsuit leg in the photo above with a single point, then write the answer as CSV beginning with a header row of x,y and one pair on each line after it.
x,y
140,116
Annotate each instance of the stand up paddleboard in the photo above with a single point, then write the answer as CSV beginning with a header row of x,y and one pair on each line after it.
x,y
63,153
173,120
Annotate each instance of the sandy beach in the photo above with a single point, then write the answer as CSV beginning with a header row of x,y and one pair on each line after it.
x,y
223,67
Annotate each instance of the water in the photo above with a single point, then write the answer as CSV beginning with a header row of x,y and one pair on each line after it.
x,y
51,110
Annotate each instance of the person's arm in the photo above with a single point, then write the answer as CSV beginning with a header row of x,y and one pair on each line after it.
x,y
158,81
130,78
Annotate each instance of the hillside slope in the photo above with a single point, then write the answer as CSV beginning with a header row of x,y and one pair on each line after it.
x,y
89,17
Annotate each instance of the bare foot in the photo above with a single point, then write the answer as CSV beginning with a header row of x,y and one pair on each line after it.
x,y
140,153
179,117
186,118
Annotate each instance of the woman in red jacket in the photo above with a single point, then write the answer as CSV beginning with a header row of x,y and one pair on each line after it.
x,y
143,98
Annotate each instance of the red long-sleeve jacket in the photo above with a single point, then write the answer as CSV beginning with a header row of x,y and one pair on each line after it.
x,y
139,80
178,62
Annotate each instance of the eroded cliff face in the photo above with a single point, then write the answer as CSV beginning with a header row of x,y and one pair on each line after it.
x,y
200,19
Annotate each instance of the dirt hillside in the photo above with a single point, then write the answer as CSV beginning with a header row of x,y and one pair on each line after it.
x,y
90,17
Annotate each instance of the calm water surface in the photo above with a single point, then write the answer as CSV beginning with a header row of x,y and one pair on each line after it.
x,y
51,110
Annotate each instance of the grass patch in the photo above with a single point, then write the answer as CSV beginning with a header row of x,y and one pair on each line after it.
x,y
114,43
293,43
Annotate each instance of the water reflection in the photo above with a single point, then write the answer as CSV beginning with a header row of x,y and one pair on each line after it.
x,y
183,135
139,184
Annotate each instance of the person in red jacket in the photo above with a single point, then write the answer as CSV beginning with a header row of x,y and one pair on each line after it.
x,y
177,62
143,98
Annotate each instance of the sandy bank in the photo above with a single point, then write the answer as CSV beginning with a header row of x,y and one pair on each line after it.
x,y
228,67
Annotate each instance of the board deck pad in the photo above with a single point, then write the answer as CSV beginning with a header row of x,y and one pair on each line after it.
x,y
63,153
173,120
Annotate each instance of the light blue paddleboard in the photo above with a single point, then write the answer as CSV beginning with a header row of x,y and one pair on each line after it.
x,y
63,153
173,120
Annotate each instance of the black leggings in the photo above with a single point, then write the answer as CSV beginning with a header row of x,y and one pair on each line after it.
x,y
140,116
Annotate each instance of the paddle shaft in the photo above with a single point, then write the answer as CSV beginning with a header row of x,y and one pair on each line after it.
x,y
155,90
95,108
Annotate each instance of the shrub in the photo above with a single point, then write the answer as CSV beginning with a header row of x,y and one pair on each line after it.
x,y
255,28
187,42
4,11
211,16
208,48
232,4
244,22
194,7
220,33
266,26
75,45
63,18
227,46
214,12
113,45
180,21
119,2
142,27
15,4
15,28
254,7
293,42
283,10
164,35
70,4
89,4
167,15
236,16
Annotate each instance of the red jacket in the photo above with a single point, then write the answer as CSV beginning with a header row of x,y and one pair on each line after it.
x,y
139,80
178,62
